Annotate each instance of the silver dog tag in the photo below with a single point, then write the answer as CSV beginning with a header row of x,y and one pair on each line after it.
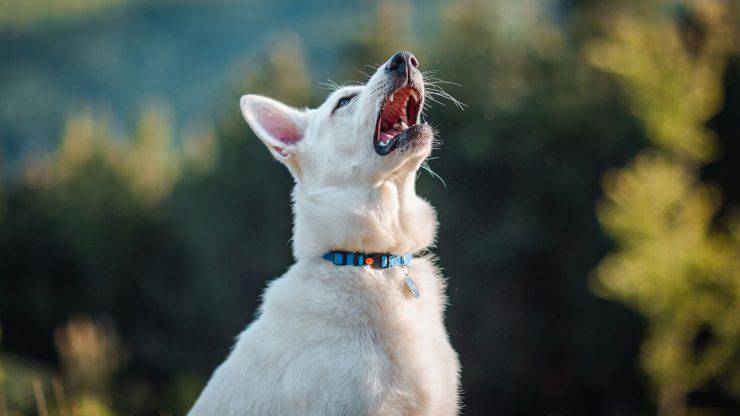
x,y
412,287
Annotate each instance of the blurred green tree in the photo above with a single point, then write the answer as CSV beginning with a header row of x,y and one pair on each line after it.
x,y
674,262
78,223
283,73
393,20
32,14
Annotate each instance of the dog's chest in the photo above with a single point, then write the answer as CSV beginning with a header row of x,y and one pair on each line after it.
x,y
406,334
334,343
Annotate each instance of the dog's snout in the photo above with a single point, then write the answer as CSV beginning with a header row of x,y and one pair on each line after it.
x,y
401,63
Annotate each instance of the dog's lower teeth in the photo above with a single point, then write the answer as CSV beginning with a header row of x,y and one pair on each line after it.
x,y
404,125
396,126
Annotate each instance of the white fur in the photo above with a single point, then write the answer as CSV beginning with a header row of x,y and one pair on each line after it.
x,y
343,340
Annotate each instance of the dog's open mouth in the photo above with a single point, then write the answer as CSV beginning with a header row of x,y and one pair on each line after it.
x,y
399,111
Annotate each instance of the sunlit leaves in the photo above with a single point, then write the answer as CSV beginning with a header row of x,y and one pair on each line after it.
x,y
671,88
673,263
148,164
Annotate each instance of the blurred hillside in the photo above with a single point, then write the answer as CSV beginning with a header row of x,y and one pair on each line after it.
x,y
57,57
588,209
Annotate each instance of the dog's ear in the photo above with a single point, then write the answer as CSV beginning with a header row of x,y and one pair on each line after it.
x,y
279,126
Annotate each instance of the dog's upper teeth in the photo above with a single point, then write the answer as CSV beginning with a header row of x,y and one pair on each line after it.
x,y
415,95
390,98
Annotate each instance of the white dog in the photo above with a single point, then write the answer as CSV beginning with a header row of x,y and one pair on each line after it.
x,y
353,327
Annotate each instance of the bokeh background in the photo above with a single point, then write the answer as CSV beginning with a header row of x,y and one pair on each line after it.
x,y
587,193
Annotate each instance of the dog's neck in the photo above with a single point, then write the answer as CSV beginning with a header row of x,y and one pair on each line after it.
x,y
384,217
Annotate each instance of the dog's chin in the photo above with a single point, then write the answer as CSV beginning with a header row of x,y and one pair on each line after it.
x,y
415,140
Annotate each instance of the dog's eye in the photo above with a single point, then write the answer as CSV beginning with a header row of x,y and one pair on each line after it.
x,y
344,101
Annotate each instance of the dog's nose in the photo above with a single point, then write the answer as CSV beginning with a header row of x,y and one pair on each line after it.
x,y
401,63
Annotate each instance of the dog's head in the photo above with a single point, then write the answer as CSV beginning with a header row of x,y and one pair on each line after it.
x,y
362,140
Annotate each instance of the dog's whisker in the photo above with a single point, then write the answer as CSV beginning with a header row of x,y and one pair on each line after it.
x,y
330,84
432,99
435,81
431,172
434,89
444,94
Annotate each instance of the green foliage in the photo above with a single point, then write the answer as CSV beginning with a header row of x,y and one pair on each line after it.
x,y
674,263
16,384
392,20
673,89
84,215
28,14
283,73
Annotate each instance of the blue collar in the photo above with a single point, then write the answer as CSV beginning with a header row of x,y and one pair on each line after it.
x,y
382,261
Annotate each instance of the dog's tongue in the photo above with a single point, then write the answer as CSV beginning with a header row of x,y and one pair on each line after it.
x,y
386,141
385,136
